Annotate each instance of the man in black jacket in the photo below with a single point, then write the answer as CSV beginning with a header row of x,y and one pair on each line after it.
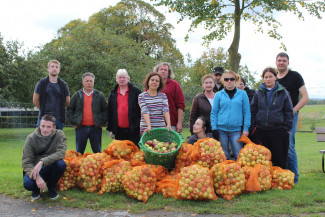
x,y
217,72
123,109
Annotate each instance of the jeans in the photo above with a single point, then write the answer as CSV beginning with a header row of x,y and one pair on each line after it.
x,y
292,162
95,137
226,137
50,174
59,124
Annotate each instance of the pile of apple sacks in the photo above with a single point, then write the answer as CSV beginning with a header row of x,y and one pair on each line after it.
x,y
201,172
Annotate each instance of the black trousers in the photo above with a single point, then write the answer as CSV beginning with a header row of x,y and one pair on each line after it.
x,y
277,141
125,134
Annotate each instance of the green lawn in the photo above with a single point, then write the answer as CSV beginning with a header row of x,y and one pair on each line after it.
x,y
306,198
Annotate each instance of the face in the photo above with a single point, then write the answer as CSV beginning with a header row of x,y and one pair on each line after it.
x,y
208,84
88,83
229,81
198,126
154,82
46,128
122,80
282,63
269,79
241,85
163,71
217,78
54,69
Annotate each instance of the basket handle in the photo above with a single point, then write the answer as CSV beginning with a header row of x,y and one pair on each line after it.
x,y
182,137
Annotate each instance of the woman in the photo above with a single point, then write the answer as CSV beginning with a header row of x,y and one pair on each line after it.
x,y
153,104
272,117
202,103
242,86
200,130
230,114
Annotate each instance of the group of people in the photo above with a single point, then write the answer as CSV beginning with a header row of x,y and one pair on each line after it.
x,y
225,110
128,113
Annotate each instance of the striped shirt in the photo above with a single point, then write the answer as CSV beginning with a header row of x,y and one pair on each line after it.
x,y
156,107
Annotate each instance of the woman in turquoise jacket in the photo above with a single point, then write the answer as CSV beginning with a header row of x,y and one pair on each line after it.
x,y
230,114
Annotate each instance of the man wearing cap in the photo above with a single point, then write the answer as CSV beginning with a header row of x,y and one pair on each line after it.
x,y
217,72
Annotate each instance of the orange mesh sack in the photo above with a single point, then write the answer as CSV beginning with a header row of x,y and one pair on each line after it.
x,y
88,177
282,179
140,183
69,178
72,153
207,152
112,173
257,178
168,186
121,149
137,158
195,183
229,179
183,158
252,154
161,172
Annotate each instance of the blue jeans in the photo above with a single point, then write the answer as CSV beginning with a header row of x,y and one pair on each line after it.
x,y
95,137
50,174
59,124
292,162
226,137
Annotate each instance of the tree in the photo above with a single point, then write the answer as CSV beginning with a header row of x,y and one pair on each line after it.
x,y
220,16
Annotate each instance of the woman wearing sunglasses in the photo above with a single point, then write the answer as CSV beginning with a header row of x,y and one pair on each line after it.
x,y
230,114
272,117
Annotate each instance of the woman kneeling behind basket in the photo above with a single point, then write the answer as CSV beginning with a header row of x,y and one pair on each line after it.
x,y
153,105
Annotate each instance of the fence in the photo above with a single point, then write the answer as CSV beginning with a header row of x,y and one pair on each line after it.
x,y
25,115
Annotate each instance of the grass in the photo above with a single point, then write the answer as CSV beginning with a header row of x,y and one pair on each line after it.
x,y
306,198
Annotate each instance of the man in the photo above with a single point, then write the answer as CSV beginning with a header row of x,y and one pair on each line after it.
x,y
123,109
295,85
87,113
42,159
217,72
174,94
51,95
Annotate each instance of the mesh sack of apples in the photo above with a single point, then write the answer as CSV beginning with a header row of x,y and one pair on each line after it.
x,y
112,173
258,178
160,147
252,154
118,149
139,183
207,152
183,158
69,178
137,158
89,178
282,178
168,186
195,183
229,179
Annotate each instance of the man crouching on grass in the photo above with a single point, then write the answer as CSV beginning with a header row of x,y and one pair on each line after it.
x,y
42,159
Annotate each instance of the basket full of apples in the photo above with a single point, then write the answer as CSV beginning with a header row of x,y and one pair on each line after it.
x,y
161,146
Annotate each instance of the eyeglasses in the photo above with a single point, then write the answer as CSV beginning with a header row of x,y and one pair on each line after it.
x,y
229,79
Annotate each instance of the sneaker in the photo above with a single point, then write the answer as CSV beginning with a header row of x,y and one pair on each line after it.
x,y
35,195
53,194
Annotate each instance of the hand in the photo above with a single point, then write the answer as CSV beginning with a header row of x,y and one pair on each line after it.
x,y
111,134
147,130
40,183
169,127
179,127
35,172
245,133
75,126
215,134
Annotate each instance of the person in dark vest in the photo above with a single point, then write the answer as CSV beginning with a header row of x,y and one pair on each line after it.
x,y
242,86
42,159
123,109
51,95
87,113
217,72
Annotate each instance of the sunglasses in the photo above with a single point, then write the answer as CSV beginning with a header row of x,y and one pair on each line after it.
x,y
229,79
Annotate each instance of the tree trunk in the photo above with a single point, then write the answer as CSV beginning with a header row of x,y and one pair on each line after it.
x,y
234,56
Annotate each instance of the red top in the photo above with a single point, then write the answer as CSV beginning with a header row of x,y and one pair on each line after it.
x,y
87,115
175,98
123,109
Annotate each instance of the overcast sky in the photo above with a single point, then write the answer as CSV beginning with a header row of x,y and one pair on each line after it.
x,y
36,22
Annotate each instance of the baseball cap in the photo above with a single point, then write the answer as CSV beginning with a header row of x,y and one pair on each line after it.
x,y
218,70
